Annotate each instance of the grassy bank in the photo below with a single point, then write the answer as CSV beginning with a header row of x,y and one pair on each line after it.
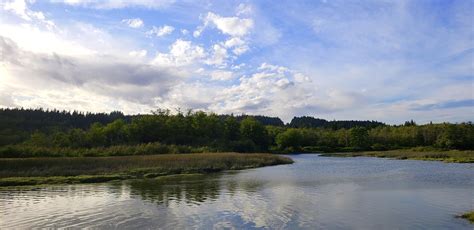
x,y
451,156
468,216
31,171
25,151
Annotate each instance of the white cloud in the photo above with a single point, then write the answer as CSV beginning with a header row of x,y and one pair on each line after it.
x,y
138,53
233,26
273,90
37,78
239,46
240,50
243,9
275,68
21,9
18,7
236,27
336,70
161,31
239,66
32,38
181,53
221,75
232,42
133,22
197,33
219,56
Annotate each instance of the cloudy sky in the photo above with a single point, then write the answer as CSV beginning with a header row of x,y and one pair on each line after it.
x,y
379,60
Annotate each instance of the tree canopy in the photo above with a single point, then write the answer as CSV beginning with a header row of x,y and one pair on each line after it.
x,y
244,133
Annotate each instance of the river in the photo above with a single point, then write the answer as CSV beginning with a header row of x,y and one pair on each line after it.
x,y
313,193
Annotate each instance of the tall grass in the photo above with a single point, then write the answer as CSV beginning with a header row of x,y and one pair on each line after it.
x,y
453,156
468,216
131,166
22,151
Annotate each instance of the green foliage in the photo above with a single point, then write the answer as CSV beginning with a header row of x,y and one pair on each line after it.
x,y
253,130
231,129
359,137
291,138
39,132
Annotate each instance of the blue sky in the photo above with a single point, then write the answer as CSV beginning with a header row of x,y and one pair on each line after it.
x,y
379,60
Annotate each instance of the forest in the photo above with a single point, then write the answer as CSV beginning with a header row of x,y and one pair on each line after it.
x,y
38,132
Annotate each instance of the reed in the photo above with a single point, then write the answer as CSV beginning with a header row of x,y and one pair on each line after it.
x,y
451,156
24,171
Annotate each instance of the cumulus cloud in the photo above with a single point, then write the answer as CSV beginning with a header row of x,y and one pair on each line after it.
x,y
138,53
238,45
18,7
133,22
233,26
21,9
337,61
181,53
221,75
107,76
219,56
271,90
161,31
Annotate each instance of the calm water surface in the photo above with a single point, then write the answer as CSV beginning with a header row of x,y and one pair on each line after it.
x,y
313,193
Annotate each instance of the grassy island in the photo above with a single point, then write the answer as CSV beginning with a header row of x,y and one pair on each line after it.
x,y
48,170
451,156
468,216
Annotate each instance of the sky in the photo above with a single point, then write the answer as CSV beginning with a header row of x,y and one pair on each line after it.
x,y
389,61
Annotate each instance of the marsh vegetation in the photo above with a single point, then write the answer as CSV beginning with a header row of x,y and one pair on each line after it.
x,y
27,171
468,216
451,156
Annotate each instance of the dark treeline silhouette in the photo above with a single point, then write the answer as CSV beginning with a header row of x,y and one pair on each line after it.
x,y
311,122
40,132
275,121
16,125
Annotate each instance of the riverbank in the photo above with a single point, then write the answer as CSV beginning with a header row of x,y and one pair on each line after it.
x,y
468,216
33,171
451,156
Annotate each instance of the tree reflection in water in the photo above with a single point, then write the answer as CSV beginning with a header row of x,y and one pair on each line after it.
x,y
192,189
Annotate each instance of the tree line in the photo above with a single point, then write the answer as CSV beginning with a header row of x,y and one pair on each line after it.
x,y
242,133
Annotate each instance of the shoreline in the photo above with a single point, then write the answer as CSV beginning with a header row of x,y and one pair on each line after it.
x,y
451,156
37,171
469,216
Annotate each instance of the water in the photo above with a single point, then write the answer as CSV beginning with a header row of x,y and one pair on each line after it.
x,y
313,193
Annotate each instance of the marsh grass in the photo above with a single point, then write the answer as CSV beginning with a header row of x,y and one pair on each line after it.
x,y
25,151
451,156
468,216
24,171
